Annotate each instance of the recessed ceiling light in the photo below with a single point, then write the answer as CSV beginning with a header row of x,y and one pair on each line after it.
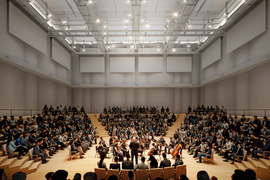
x,y
128,1
158,50
144,2
173,50
64,22
175,14
129,15
105,27
90,2
147,26
98,20
49,15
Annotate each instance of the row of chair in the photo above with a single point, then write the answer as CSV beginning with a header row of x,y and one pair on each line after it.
x,y
152,174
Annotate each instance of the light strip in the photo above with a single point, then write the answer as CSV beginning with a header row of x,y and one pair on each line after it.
x,y
38,10
51,24
68,40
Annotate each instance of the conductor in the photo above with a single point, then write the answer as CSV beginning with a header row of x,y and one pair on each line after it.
x,y
134,146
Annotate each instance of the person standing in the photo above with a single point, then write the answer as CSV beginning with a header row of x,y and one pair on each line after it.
x,y
134,146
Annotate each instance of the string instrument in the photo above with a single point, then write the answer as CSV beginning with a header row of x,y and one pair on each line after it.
x,y
150,152
176,150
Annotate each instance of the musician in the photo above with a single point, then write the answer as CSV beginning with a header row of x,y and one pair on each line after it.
x,y
123,146
161,140
111,141
104,144
134,146
154,150
171,145
117,151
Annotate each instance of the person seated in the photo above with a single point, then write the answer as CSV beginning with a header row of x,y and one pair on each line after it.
x,y
141,165
153,162
265,148
12,147
239,152
203,175
20,144
115,164
39,152
101,163
127,164
60,175
208,152
78,149
178,161
165,162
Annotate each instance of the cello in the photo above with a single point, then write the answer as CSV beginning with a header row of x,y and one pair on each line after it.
x,y
176,150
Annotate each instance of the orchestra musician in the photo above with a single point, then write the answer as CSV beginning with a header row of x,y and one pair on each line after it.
x,y
117,151
177,150
124,148
154,150
171,145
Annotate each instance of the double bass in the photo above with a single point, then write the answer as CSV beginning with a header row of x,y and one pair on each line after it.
x,y
176,150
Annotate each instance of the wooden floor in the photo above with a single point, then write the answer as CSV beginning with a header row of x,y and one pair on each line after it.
x,y
220,169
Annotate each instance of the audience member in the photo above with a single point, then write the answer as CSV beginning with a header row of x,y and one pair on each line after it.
x,y
127,164
153,162
141,165
19,176
60,175
165,162
90,176
202,175
49,175
115,164
101,163
77,176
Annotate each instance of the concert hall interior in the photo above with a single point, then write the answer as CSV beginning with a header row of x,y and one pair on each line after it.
x,y
134,89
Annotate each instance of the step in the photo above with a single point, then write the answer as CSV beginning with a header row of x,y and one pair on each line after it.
x,y
34,167
257,163
20,162
8,163
266,162
239,166
3,159
27,165
248,165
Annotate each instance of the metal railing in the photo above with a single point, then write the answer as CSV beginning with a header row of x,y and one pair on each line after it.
x,y
19,112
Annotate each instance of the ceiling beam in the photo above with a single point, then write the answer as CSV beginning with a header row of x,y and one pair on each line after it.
x,y
90,18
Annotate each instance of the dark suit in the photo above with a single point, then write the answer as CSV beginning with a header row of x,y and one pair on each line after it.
x,y
38,152
134,146
165,163
127,164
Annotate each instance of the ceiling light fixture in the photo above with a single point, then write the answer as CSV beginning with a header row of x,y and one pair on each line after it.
x,y
97,20
90,2
175,14
173,50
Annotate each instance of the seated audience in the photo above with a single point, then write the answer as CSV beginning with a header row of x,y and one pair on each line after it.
x,y
115,164
101,163
202,175
165,162
77,176
19,176
49,175
60,175
127,164
141,165
178,161
90,176
153,162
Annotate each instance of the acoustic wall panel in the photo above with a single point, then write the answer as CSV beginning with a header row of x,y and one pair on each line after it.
x,y
122,64
60,54
92,64
150,64
179,64
211,54
251,26
26,30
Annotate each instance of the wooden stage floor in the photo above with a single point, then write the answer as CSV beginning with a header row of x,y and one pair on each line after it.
x,y
222,170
